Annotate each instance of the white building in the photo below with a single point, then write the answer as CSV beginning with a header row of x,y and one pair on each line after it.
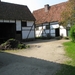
x,y
48,21
50,29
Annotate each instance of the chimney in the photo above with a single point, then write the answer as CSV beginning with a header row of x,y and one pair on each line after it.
x,y
46,7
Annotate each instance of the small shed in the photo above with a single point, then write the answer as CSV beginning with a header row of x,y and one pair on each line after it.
x,y
16,21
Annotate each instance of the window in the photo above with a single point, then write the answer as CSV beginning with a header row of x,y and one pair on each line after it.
x,y
24,24
37,28
47,26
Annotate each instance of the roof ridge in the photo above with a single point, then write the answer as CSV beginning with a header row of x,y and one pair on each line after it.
x,y
50,6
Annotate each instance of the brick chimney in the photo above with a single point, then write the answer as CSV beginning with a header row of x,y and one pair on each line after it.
x,y
46,7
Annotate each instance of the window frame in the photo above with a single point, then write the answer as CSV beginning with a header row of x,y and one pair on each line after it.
x,y
47,27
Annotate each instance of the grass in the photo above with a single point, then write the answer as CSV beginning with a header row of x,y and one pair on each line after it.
x,y
70,51
69,67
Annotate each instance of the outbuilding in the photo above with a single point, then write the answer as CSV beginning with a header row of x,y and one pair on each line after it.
x,y
16,21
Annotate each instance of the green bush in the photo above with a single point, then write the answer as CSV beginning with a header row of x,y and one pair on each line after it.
x,y
13,44
21,46
72,33
67,38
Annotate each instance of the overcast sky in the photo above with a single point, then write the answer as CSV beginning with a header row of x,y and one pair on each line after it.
x,y
35,4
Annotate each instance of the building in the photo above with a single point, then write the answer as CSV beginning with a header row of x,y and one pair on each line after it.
x,y
48,21
16,21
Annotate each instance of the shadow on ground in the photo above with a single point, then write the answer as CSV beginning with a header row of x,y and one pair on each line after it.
x,y
11,64
41,41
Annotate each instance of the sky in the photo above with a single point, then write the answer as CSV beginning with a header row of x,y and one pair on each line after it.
x,y
35,4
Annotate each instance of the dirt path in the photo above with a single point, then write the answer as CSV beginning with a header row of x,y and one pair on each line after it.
x,y
43,58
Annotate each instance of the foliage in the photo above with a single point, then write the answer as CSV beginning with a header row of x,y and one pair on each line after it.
x,y
68,14
67,38
23,46
12,44
69,67
20,46
72,33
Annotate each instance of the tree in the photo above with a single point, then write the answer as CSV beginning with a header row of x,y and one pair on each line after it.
x,y
72,33
68,15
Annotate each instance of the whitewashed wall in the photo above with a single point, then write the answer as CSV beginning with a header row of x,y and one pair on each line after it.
x,y
44,31
63,31
25,34
26,30
12,21
47,31
18,25
1,20
7,21
52,32
30,23
44,27
53,26
39,32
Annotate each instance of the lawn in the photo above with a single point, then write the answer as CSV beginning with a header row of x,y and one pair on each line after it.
x,y
69,67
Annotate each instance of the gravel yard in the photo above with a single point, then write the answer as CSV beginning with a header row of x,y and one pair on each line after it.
x,y
43,58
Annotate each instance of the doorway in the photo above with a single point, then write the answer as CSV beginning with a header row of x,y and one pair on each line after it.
x,y
7,31
57,32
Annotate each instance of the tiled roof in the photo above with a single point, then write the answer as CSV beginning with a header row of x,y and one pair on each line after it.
x,y
15,11
53,14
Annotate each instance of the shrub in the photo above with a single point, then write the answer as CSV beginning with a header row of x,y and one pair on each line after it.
x,y
12,44
72,33
67,38
21,46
